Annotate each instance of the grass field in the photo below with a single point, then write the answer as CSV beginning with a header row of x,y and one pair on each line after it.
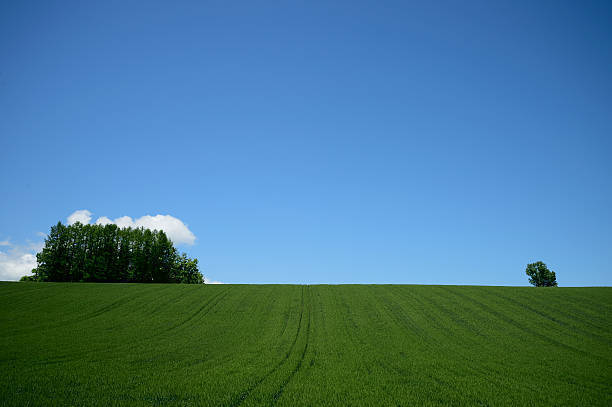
x,y
291,345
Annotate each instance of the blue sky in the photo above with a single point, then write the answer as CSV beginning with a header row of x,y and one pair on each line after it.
x,y
355,142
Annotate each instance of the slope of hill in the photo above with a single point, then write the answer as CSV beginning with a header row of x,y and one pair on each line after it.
x,y
286,345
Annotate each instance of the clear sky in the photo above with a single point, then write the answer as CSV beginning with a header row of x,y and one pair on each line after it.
x,y
318,142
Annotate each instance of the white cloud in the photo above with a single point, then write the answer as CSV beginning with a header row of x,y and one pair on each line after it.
x,y
176,230
5,243
103,220
17,261
83,216
207,281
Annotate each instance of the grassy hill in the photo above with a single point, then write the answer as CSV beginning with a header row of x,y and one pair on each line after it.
x,y
289,345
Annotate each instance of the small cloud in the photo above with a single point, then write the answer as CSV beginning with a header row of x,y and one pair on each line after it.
x,y
207,281
103,221
5,243
17,261
176,230
82,215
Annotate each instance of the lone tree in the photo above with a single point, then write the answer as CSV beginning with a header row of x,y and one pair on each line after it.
x,y
540,275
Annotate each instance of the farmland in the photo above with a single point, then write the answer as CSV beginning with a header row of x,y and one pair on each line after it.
x,y
292,345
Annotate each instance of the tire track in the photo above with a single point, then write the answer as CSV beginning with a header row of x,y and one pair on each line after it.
x,y
127,298
76,319
570,326
243,396
350,326
133,344
552,318
459,345
218,296
285,382
458,319
285,322
431,345
74,356
402,317
516,324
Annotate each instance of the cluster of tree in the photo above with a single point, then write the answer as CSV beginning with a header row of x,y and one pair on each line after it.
x,y
540,275
107,253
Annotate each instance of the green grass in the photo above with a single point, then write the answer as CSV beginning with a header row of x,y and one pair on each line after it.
x,y
288,345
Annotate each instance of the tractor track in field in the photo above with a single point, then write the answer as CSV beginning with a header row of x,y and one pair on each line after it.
x,y
351,328
435,319
202,311
126,346
576,313
557,321
245,394
285,322
501,316
110,307
430,303
431,344
285,382
77,320
403,319
218,297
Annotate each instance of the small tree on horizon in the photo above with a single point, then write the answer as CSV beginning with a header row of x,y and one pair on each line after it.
x,y
540,275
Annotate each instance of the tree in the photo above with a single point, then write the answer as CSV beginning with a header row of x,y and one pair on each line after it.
x,y
540,275
91,253
186,270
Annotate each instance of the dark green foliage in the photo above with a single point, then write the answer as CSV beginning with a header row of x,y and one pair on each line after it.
x,y
540,275
28,278
97,253
71,344
187,270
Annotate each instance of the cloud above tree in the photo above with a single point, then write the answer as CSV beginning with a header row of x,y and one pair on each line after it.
x,y
17,261
82,215
175,229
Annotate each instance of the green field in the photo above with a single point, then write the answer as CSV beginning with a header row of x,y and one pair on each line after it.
x,y
292,345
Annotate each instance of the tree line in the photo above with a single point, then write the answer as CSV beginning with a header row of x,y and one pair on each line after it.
x,y
107,253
